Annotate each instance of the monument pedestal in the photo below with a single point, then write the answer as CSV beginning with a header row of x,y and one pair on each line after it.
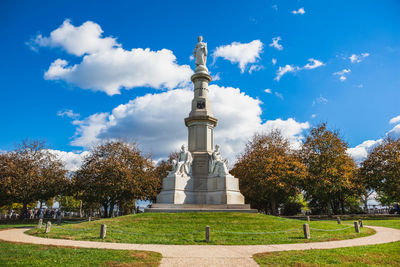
x,y
179,208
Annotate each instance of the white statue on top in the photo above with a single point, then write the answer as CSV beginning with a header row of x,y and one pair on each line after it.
x,y
218,166
182,166
200,56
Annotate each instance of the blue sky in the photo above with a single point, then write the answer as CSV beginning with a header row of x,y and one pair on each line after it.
x,y
360,39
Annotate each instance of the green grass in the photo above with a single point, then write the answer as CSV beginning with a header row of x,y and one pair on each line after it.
x,y
188,228
38,255
373,255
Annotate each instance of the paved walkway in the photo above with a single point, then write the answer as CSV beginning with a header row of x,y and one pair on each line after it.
x,y
202,255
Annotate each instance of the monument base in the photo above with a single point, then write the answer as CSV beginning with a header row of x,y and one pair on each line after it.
x,y
179,208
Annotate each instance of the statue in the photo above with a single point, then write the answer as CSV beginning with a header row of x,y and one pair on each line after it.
x,y
182,166
200,56
218,166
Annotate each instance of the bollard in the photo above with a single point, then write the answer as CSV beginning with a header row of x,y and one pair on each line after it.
x,y
306,229
59,220
356,227
90,218
103,231
48,227
338,220
40,223
308,218
207,233
360,223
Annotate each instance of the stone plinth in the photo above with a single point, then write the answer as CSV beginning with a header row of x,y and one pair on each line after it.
x,y
179,208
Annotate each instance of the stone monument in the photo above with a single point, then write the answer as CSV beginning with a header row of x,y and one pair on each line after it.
x,y
200,180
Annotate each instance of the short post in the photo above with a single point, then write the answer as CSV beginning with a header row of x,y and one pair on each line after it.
x,y
306,229
360,223
207,233
59,220
48,227
40,223
338,220
356,227
90,218
103,231
308,218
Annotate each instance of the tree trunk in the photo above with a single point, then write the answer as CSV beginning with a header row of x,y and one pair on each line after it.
x,y
342,205
24,212
112,204
273,207
105,206
80,209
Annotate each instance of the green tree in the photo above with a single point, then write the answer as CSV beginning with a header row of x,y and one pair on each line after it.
x,y
30,173
269,172
115,173
331,178
381,170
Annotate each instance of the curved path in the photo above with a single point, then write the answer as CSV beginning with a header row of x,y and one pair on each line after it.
x,y
202,255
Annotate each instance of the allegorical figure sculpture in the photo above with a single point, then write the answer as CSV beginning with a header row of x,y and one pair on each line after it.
x,y
182,166
218,166
200,55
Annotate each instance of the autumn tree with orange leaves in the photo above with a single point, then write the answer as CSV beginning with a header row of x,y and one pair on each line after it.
x,y
381,170
270,172
30,173
115,173
331,182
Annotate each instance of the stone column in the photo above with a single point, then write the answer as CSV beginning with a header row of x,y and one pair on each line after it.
x,y
200,123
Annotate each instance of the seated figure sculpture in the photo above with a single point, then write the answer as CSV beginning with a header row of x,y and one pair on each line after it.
x,y
218,166
182,166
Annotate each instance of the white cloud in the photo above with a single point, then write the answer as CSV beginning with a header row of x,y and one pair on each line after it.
x,y
155,121
273,61
358,58
342,74
255,68
275,7
290,129
279,95
268,91
216,77
106,66
301,11
320,100
395,132
71,160
275,43
68,113
242,53
313,64
313,116
85,39
283,70
395,120
360,152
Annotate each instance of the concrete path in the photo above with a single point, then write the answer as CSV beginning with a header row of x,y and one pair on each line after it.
x,y
202,255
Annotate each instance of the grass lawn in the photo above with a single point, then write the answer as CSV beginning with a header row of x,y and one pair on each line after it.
x,y
188,228
373,255
38,255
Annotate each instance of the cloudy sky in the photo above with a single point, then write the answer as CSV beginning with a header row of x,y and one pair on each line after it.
x,y
75,73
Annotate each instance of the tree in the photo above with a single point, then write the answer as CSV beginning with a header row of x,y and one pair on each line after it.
x,y
331,178
269,171
115,173
381,170
30,173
